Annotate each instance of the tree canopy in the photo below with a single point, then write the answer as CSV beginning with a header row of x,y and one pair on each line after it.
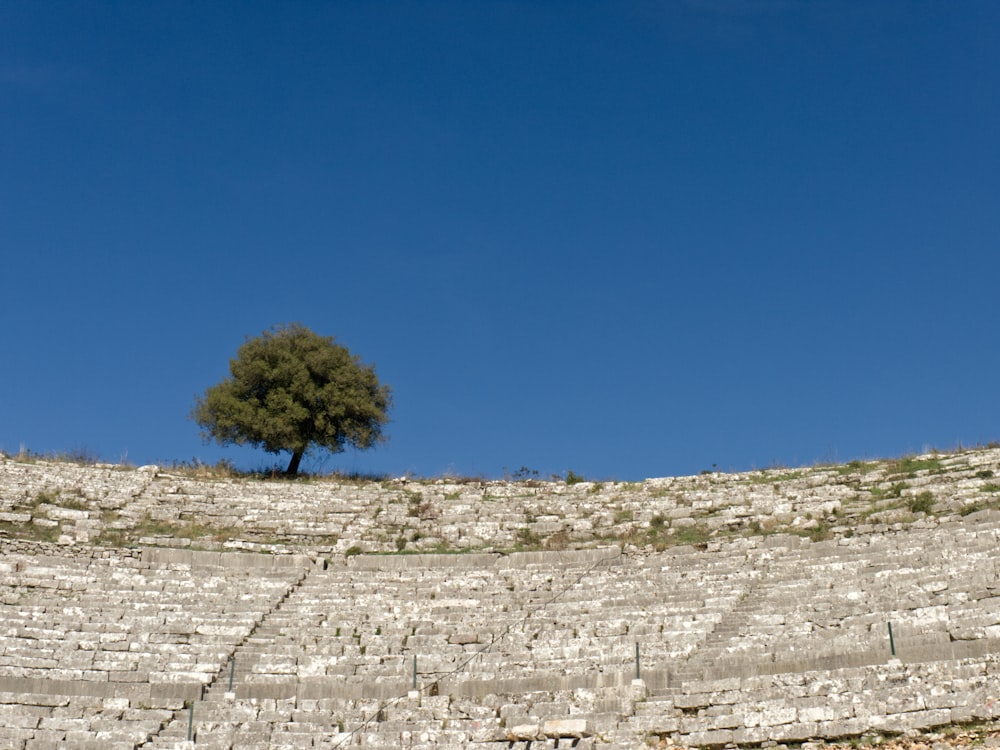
x,y
291,389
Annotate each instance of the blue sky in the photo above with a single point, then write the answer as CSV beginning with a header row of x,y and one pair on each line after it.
x,y
627,239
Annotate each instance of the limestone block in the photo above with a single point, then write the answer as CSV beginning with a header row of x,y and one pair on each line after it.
x,y
65,514
751,735
15,736
772,714
524,733
568,728
693,700
816,713
21,719
714,737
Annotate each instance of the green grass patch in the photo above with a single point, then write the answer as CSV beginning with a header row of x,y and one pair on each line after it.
x,y
694,535
858,467
908,466
30,532
623,516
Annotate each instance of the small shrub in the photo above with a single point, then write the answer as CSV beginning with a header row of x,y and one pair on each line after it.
x,y
573,478
353,551
558,541
922,503
984,474
819,532
50,497
526,538
419,507
521,475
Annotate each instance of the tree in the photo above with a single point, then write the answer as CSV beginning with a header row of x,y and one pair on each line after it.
x,y
290,389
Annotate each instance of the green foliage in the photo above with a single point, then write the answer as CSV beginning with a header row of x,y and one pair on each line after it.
x,y
623,516
694,535
573,478
50,497
526,539
858,467
922,503
29,531
290,389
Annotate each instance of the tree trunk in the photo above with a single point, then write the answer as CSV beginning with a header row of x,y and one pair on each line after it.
x,y
293,465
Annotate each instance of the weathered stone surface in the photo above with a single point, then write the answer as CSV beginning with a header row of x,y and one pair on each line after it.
x,y
572,728
746,639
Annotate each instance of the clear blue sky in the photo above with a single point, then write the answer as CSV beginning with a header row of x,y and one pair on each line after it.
x,y
629,239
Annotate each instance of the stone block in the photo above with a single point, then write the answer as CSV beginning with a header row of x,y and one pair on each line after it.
x,y
524,733
751,735
568,728
796,732
710,738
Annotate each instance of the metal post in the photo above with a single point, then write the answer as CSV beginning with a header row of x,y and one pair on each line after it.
x,y
190,719
414,671
232,672
892,643
638,676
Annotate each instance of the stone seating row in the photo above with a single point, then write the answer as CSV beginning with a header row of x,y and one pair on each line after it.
x,y
424,720
42,721
161,623
286,638
351,630
822,602
794,707
105,487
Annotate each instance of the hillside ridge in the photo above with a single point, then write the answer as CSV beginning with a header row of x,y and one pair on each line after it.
x,y
117,505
